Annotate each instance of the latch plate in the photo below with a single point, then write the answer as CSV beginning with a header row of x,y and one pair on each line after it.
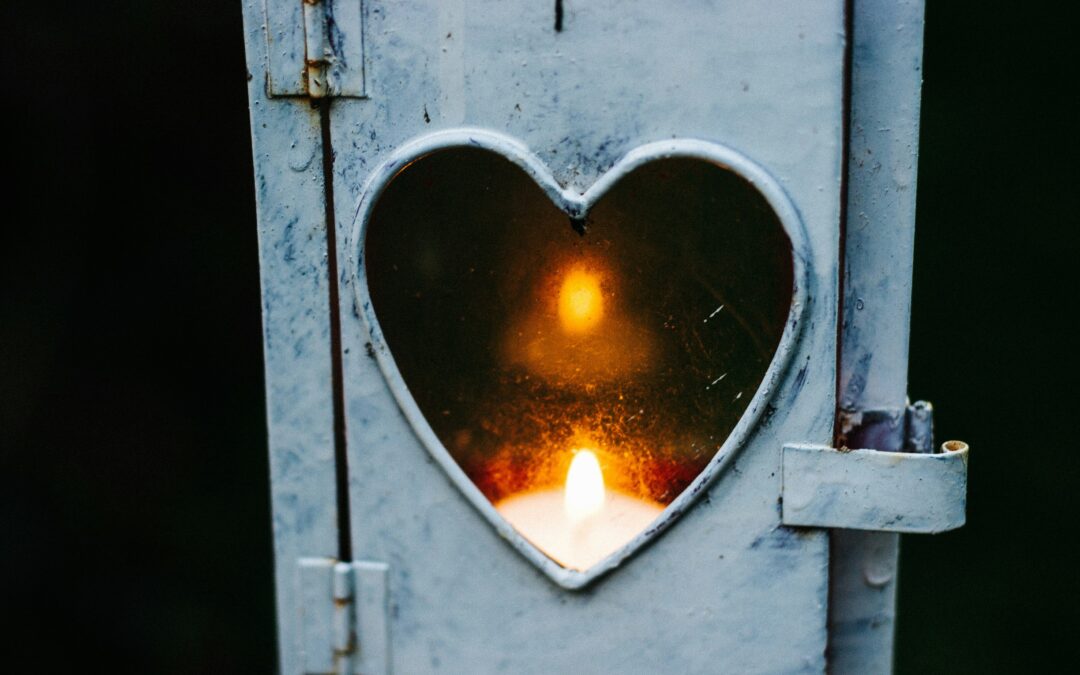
x,y
315,48
344,624
874,490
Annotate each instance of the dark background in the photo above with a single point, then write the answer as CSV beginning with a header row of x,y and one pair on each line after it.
x,y
133,477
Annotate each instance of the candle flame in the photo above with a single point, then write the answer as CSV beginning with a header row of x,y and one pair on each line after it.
x,y
585,492
581,304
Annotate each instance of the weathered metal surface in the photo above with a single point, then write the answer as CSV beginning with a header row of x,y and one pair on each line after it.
x,y
726,587
287,155
886,81
874,490
315,48
578,205
344,617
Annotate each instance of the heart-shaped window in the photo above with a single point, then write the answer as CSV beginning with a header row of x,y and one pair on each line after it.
x,y
581,360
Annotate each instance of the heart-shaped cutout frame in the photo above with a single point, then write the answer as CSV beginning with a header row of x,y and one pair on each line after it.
x,y
577,206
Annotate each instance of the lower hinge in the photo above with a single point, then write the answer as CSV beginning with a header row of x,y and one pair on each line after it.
x,y
344,624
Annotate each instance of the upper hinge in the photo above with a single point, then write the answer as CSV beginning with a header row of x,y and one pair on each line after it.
x,y
344,624
315,48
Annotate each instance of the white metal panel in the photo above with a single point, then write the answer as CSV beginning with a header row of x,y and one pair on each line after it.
x,y
287,151
727,587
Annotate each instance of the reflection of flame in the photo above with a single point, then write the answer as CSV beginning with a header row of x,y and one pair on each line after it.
x,y
576,333
581,305
584,486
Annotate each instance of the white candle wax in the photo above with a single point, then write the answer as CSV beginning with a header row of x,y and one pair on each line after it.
x,y
577,543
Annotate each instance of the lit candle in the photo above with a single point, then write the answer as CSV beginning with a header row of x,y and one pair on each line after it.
x,y
581,523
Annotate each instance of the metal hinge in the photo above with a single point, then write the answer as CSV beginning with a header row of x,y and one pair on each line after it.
x,y
344,624
315,48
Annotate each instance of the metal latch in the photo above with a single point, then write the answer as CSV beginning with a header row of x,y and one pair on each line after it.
x,y
875,490
344,625
901,486
315,48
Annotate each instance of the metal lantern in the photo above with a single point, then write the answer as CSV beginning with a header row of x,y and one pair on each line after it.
x,y
586,333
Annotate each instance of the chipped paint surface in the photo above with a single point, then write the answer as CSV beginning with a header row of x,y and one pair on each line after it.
x,y
727,587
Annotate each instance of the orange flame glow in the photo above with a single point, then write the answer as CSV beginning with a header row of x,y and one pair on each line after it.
x,y
581,304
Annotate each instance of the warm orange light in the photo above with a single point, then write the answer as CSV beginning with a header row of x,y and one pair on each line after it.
x,y
581,523
581,305
585,492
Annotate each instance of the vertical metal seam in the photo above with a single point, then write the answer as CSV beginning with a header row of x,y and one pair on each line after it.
x,y
845,164
341,464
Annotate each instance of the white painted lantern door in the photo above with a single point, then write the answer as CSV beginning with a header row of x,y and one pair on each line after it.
x,y
587,292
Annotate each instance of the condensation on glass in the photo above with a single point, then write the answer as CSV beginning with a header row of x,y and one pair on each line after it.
x,y
524,341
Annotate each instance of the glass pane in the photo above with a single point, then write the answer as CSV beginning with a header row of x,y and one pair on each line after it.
x,y
629,351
